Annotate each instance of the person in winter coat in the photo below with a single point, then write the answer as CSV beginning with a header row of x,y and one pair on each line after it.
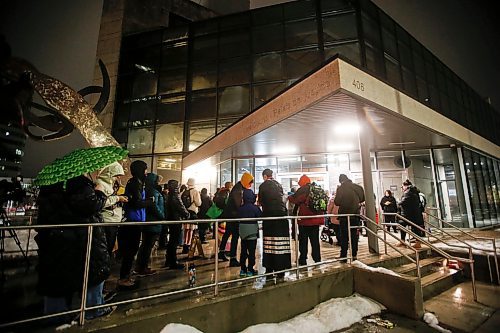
x,y
349,196
176,211
389,205
234,202
206,203
332,208
150,233
192,200
410,209
129,237
113,211
308,228
277,254
80,203
249,232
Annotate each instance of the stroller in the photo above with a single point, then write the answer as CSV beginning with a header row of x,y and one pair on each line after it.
x,y
327,232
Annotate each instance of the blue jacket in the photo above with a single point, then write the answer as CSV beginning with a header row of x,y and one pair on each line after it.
x,y
249,230
155,212
135,208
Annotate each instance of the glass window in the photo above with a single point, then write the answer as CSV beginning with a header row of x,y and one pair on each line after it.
x,y
121,115
140,60
268,67
313,163
174,55
355,161
268,38
205,48
142,114
234,71
204,76
239,20
488,188
476,165
204,27
371,32
168,166
335,5
226,173
299,9
203,105
175,34
339,27
409,84
423,93
350,51
169,138
392,71
234,44
140,140
172,81
405,56
266,15
374,60
263,93
289,164
144,84
260,165
171,110
301,33
121,135
299,63
473,189
199,132
234,101
390,46
222,124
242,166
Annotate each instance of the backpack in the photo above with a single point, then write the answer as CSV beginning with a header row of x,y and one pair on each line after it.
x,y
318,200
186,198
220,198
422,201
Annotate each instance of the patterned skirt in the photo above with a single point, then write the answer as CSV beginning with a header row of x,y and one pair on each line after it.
x,y
277,254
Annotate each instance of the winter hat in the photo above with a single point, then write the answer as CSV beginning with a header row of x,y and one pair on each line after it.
x,y
190,182
304,180
343,178
407,183
246,180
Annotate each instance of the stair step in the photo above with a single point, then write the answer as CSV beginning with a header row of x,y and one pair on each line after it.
x,y
427,265
437,282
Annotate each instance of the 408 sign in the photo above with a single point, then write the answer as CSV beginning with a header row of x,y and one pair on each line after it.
x,y
358,85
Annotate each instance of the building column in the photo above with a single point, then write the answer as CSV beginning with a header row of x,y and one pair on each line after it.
x,y
364,149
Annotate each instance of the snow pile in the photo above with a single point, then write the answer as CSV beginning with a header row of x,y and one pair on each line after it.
x,y
383,270
179,328
332,315
484,247
432,321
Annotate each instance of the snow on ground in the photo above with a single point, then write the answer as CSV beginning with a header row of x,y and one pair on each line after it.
x,y
480,245
332,315
383,270
432,321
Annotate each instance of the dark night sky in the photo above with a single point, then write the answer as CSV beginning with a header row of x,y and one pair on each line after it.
x,y
60,38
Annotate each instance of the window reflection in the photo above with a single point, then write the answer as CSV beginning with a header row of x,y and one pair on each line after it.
x,y
199,132
169,138
140,140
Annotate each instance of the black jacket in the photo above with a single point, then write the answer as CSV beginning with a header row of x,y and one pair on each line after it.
x,y
175,208
271,198
348,197
390,208
206,203
410,206
62,251
234,201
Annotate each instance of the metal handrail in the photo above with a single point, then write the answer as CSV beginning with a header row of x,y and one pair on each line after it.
x,y
470,261
474,247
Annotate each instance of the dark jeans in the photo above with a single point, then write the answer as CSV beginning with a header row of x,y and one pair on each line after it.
x,y
415,230
309,233
202,231
248,252
175,233
233,229
129,238
390,219
148,241
163,239
110,232
344,236
336,230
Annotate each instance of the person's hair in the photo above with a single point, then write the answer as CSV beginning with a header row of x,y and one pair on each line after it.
x,y
204,191
183,188
407,183
228,184
388,191
267,172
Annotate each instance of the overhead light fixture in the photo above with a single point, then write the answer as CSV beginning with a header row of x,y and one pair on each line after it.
x,y
402,143
170,160
346,128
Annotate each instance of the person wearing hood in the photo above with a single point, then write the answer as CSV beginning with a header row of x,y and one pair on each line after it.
x,y
349,196
249,232
192,200
308,228
150,233
176,211
206,203
410,209
113,211
234,201
129,237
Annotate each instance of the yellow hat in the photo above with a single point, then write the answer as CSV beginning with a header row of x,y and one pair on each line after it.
x,y
246,180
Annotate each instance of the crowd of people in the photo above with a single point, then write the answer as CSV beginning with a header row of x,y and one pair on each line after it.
x,y
84,200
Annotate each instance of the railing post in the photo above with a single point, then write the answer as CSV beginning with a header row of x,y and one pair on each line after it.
x,y
473,275
296,226
216,249
86,276
496,259
350,238
385,235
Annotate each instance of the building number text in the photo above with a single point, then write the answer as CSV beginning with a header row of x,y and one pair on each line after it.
x,y
358,85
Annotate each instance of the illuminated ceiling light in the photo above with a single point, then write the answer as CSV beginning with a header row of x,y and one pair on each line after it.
x,y
347,128
170,160
341,147
402,143
284,150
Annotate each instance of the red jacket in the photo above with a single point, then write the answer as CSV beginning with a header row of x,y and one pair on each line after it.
x,y
301,198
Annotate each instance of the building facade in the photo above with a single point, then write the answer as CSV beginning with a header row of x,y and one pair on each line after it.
x,y
180,88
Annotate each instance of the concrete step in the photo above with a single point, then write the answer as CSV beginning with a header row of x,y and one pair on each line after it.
x,y
437,282
427,266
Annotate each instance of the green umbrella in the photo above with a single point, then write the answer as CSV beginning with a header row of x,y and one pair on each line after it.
x,y
79,162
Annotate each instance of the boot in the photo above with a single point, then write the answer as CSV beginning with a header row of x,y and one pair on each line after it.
x,y
234,263
417,245
222,256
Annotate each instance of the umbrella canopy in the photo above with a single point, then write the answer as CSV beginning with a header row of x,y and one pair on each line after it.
x,y
79,162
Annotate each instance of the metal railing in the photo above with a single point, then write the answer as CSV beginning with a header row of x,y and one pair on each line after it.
x,y
421,239
468,234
